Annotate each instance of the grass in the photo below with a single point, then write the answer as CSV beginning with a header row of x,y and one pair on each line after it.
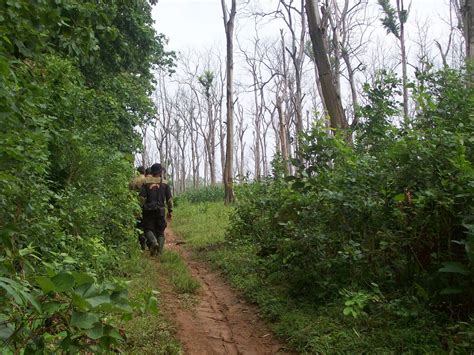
x,y
148,332
201,225
177,272
307,326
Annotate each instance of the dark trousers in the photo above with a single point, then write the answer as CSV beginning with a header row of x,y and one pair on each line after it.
x,y
152,221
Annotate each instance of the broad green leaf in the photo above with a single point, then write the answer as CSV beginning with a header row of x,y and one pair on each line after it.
x,y
98,300
69,260
79,301
63,282
96,332
84,320
12,288
113,333
52,307
82,278
45,283
32,300
6,330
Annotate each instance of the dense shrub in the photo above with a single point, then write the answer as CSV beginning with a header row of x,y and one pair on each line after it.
x,y
388,216
74,82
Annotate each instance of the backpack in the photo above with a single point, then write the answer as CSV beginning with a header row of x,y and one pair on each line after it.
x,y
152,203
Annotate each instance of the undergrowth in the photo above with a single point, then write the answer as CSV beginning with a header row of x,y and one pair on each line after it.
x,y
387,327
148,331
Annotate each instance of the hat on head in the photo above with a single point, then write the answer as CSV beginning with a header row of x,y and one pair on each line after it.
x,y
156,168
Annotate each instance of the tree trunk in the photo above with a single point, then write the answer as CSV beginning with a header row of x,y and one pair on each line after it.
x,y
212,143
257,132
330,96
286,123
229,32
351,75
281,119
468,22
400,9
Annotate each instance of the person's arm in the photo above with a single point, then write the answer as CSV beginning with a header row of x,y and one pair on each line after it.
x,y
169,201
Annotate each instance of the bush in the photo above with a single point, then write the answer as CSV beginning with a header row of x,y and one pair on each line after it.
x,y
74,83
394,209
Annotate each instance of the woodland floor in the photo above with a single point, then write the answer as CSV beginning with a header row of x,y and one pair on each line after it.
x,y
216,320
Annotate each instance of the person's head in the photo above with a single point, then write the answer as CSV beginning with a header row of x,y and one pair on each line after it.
x,y
147,172
141,170
156,169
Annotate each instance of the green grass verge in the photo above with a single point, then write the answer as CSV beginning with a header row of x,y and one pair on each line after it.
x,y
148,332
178,273
306,326
201,225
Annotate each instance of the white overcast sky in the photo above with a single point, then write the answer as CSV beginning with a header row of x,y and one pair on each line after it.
x,y
198,23
194,26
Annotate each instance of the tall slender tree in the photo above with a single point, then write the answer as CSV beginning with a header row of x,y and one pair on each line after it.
x,y
394,22
229,20
468,22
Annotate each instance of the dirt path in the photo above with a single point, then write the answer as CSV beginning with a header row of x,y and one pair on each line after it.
x,y
219,322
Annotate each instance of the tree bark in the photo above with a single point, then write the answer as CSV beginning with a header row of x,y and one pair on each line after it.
x,y
229,18
468,24
284,149
331,98
400,9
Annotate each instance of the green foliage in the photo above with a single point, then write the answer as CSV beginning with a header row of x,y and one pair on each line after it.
x,y
148,332
400,325
65,310
392,19
395,210
206,80
74,82
202,194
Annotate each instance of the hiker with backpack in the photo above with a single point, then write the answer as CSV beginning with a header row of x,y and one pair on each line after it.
x,y
155,193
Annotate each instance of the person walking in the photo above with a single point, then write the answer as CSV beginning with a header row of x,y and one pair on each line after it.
x,y
155,194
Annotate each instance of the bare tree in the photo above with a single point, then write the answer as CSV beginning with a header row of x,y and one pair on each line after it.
x,y
241,129
229,19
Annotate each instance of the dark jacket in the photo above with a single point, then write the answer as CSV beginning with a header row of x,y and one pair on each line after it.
x,y
156,189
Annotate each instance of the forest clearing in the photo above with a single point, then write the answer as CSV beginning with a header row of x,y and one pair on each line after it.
x,y
313,160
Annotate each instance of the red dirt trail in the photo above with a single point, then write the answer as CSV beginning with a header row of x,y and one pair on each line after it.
x,y
218,322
